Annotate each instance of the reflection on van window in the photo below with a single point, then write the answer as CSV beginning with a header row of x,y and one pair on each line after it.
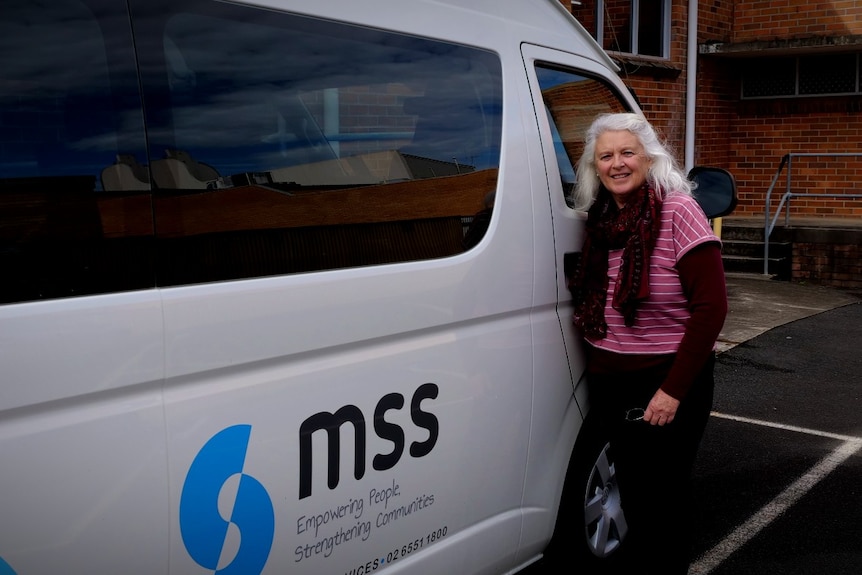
x,y
572,101
273,144
70,121
284,144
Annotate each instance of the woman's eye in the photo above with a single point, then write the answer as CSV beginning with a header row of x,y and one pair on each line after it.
x,y
628,153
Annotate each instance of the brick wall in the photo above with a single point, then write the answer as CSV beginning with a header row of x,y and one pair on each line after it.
x,y
831,264
749,137
771,19
761,137
763,131
661,89
659,84
717,92
585,13
715,113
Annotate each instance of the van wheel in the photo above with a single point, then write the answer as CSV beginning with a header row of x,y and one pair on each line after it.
x,y
591,525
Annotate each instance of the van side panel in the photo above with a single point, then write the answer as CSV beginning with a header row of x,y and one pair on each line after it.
x,y
82,436
358,415
421,416
567,91
285,287
83,459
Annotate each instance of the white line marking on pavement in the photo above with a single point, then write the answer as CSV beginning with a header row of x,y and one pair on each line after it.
x,y
775,508
785,427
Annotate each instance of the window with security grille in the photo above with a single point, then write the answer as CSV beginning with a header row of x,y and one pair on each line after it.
x,y
827,74
769,78
803,76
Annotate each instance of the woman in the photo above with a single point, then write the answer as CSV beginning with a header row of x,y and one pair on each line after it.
x,y
650,299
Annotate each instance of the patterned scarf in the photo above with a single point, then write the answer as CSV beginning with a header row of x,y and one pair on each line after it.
x,y
633,229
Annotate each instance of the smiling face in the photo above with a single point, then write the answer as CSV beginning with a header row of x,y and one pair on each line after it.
x,y
621,163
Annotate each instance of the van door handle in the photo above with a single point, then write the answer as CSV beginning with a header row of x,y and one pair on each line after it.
x,y
570,262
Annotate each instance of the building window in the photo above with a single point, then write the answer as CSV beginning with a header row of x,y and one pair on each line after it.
x,y
640,27
833,74
827,75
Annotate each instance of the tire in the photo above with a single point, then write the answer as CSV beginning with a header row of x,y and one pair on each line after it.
x,y
591,525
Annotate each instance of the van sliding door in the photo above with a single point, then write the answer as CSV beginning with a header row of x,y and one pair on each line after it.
x,y
568,93
83,460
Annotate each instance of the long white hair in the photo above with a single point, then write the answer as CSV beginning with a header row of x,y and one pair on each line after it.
x,y
664,174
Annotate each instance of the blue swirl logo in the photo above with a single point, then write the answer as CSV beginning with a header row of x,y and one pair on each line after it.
x,y
204,530
5,568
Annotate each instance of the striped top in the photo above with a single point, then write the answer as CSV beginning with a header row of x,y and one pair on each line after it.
x,y
660,321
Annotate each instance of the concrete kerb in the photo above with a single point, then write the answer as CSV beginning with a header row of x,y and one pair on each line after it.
x,y
758,303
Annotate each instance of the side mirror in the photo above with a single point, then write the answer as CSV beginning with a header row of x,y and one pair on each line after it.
x,y
715,191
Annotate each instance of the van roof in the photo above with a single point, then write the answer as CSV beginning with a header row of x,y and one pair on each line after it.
x,y
542,22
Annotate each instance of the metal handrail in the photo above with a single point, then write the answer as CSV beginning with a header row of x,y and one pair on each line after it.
x,y
769,225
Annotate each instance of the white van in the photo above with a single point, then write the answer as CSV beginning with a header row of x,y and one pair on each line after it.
x,y
283,287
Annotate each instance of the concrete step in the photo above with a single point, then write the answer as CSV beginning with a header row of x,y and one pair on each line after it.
x,y
754,234
742,249
780,268
827,251
754,248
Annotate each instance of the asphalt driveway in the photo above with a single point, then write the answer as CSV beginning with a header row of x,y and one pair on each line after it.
x,y
778,483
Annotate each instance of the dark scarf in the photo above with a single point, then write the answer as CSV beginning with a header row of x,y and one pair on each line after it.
x,y
633,228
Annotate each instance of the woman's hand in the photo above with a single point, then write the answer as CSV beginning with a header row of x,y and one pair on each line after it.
x,y
661,409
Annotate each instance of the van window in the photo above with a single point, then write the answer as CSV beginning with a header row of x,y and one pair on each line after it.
x,y
572,100
70,111
282,144
274,144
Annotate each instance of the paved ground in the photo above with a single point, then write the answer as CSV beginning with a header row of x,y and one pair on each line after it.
x,y
777,483
776,486
757,304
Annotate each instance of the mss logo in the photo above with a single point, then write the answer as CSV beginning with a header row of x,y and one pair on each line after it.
x,y
203,527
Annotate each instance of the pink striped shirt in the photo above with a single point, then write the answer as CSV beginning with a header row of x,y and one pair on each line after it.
x,y
660,321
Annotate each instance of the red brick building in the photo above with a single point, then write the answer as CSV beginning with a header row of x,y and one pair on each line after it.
x,y
774,77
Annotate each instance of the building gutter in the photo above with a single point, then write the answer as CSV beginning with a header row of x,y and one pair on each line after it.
x,y
691,85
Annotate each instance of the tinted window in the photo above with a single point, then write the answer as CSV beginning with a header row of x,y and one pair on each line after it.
x,y
69,111
572,101
274,144
285,144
